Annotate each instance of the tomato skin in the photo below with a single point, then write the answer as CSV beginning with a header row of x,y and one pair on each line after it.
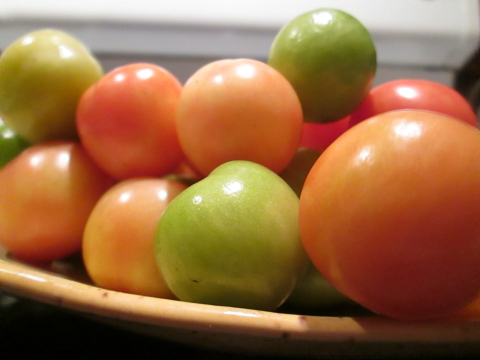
x,y
239,109
118,249
320,135
389,214
296,172
414,94
126,121
467,313
46,195
11,144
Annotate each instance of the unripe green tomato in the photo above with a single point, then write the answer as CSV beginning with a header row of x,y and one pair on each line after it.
x,y
232,239
42,76
10,144
314,292
330,59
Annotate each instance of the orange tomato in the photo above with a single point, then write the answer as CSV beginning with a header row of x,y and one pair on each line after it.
x,y
126,121
390,214
46,195
118,239
239,109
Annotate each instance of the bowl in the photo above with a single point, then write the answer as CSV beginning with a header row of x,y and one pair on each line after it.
x,y
335,333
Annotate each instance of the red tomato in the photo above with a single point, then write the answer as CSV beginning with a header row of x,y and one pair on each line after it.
x,y
389,214
46,195
415,94
319,136
126,121
118,249
239,110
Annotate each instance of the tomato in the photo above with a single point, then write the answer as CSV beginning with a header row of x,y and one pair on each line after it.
x,y
239,109
11,144
389,214
330,59
42,76
313,292
118,240
126,121
232,239
415,94
469,312
46,195
320,136
296,172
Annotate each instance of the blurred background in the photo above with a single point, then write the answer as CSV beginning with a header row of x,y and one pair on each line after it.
x,y
429,39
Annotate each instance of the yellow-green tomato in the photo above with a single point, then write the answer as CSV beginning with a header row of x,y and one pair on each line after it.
x,y
42,76
232,239
118,249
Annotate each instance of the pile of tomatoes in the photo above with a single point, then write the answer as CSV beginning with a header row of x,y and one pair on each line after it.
x,y
389,213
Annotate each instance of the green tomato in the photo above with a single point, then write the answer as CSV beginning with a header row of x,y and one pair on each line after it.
x,y
42,76
10,144
296,172
232,239
314,292
329,58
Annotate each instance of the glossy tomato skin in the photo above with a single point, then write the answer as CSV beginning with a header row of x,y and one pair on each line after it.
x,y
240,109
389,214
46,195
118,248
415,94
126,121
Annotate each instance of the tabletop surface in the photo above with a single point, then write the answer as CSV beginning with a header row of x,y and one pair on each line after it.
x,y
29,328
